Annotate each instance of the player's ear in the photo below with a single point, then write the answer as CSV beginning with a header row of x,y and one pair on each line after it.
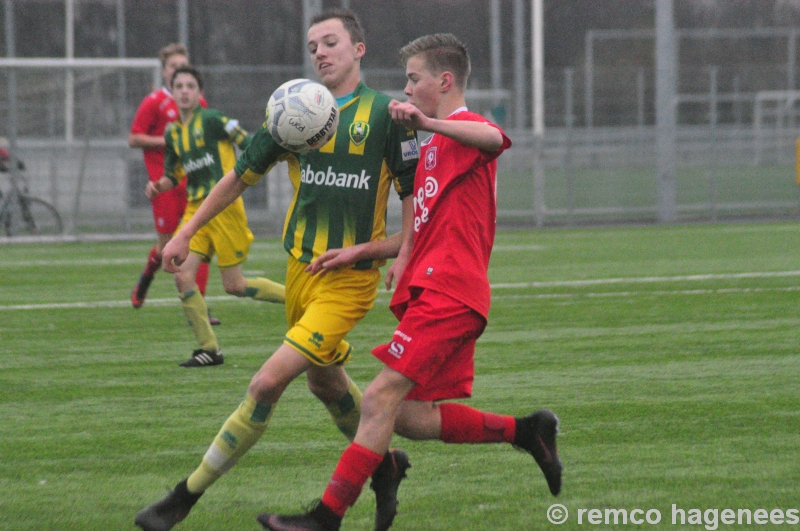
x,y
360,50
445,81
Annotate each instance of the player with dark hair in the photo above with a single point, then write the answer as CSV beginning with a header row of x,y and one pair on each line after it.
x,y
320,309
442,298
156,111
199,146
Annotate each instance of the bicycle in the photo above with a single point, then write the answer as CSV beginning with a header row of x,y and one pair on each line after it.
x,y
22,214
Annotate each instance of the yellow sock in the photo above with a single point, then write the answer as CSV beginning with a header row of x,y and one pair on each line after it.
x,y
194,307
239,433
347,411
263,289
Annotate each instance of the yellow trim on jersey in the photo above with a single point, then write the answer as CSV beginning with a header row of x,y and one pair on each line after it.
x,y
381,199
362,115
227,155
184,131
323,230
197,125
329,145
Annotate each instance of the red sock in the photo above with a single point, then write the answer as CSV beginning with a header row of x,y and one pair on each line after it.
x,y
355,466
463,424
153,262
202,278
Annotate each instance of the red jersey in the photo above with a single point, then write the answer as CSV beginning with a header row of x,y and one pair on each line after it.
x,y
455,216
154,113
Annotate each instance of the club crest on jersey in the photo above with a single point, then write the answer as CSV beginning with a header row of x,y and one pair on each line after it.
x,y
430,158
359,131
198,133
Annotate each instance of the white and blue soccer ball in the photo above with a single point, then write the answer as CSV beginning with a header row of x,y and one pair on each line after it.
x,y
302,115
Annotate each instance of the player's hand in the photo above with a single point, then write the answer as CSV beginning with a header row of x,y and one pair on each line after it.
x,y
174,253
407,115
395,270
151,190
334,259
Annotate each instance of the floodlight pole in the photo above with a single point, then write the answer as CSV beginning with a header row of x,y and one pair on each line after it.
x,y
537,57
666,98
69,88
11,51
183,23
310,9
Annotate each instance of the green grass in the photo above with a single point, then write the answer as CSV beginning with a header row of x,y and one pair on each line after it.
x,y
675,375
633,187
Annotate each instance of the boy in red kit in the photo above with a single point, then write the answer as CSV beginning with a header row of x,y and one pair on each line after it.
x,y
442,297
156,111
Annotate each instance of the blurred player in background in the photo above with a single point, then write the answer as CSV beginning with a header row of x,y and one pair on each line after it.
x,y
156,111
368,154
199,146
442,299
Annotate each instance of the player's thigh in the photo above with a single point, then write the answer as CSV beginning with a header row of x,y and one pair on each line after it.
x,y
168,209
434,345
324,309
231,236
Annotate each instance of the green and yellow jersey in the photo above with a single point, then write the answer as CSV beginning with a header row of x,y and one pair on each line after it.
x,y
202,149
341,190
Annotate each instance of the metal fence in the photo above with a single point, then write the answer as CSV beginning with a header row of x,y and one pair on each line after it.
x,y
730,165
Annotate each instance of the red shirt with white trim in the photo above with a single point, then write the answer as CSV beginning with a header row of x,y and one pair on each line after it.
x,y
455,217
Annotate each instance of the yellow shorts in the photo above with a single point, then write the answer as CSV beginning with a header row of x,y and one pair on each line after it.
x,y
227,235
322,310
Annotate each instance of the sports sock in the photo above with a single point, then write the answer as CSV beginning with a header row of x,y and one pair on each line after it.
x,y
194,307
355,466
464,424
346,412
153,262
201,278
263,289
239,433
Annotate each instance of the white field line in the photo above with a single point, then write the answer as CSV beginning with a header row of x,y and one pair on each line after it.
x,y
504,286
644,280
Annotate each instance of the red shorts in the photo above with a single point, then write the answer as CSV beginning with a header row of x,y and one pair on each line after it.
x,y
168,208
434,345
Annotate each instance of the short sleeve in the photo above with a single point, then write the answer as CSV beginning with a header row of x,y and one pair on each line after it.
x,y
402,157
145,118
259,157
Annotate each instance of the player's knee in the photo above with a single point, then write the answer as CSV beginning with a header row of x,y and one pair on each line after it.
x,y
266,387
234,286
327,390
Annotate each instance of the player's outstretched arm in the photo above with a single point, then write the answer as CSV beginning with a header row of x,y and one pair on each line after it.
x,y
474,134
141,140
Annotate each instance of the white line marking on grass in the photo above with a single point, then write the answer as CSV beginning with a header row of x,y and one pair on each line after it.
x,y
644,280
562,283
722,291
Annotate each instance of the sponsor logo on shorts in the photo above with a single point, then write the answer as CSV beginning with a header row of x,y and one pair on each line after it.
x,y
316,339
396,349
403,336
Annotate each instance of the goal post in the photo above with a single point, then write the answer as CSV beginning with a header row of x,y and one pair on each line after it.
x,y
71,119
776,114
68,66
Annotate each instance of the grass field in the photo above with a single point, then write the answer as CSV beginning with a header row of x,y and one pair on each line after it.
x,y
670,354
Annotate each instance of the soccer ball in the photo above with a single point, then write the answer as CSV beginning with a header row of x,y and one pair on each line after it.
x,y
302,115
